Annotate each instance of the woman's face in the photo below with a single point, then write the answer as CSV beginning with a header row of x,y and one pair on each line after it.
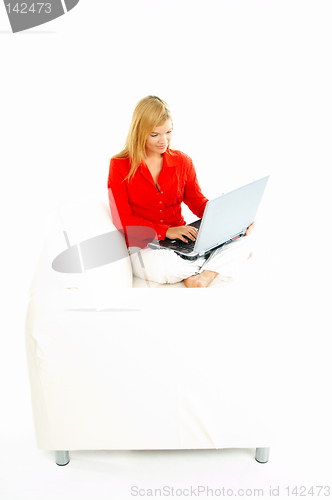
x,y
159,138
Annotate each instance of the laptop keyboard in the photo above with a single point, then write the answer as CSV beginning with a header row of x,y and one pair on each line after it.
x,y
184,246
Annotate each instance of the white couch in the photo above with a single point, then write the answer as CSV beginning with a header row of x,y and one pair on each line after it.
x,y
116,363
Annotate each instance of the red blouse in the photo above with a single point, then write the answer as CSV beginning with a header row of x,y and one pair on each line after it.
x,y
144,213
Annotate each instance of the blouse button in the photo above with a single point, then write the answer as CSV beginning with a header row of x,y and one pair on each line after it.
x,y
160,210
160,202
161,220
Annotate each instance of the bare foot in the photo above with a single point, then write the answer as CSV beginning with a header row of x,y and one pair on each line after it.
x,y
249,256
201,280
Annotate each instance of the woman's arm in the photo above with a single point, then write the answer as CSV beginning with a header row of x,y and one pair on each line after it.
x,y
193,196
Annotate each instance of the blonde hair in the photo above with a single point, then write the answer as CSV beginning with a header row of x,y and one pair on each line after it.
x,y
150,112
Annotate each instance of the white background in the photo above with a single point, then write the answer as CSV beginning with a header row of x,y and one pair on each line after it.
x,y
249,86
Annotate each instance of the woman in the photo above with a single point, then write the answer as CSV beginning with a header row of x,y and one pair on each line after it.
x,y
147,183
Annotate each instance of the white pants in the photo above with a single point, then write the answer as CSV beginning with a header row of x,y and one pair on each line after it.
x,y
165,266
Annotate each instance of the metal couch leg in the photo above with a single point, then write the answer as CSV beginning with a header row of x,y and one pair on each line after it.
x,y
62,457
262,455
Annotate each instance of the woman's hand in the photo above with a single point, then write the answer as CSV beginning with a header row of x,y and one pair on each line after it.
x,y
181,233
249,229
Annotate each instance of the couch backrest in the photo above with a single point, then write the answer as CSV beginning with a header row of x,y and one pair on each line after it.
x,y
84,247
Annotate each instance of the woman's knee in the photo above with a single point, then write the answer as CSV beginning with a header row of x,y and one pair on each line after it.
x,y
150,264
162,266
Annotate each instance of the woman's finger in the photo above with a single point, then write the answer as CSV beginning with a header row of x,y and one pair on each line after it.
x,y
249,229
192,231
191,235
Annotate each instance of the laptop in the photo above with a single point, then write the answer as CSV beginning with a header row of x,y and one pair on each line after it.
x,y
225,219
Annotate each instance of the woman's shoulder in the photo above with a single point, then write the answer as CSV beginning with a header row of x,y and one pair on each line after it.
x,y
120,164
119,168
180,156
119,161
